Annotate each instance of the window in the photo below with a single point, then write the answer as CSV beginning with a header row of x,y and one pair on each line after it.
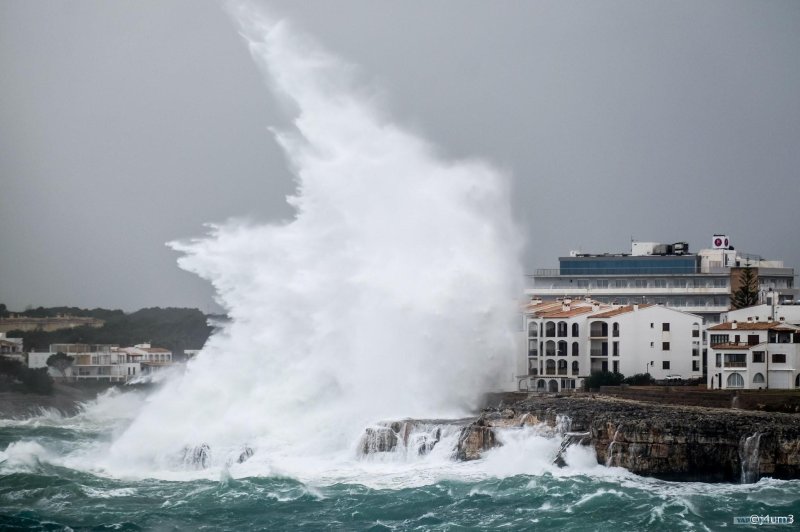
x,y
665,346
665,327
583,283
758,357
735,360
575,368
758,378
651,325
620,283
752,339
640,283
660,283
695,331
735,381
717,339
533,348
778,359
575,329
533,329
550,348
562,348
574,349
615,366
602,283
615,329
695,351
550,329
719,360
695,365
615,349
665,364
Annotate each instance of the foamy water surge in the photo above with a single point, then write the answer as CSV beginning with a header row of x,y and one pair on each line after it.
x,y
390,293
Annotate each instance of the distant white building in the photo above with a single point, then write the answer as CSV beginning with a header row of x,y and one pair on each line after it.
x,y
10,346
761,313
569,340
105,361
754,355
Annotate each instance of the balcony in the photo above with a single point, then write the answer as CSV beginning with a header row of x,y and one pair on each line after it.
x,y
735,364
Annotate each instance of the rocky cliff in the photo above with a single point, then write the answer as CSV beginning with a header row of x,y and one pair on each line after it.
x,y
675,442
663,441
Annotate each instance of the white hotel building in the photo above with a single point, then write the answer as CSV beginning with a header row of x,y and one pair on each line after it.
x,y
105,361
664,274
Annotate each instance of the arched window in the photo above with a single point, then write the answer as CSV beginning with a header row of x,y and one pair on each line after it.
x,y
575,367
797,381
575,330
562,348
550,348
615,329
758,378
735,381
562,367
550,329
574,349
562,329
533,329
598,329
552,386
550,367
541,385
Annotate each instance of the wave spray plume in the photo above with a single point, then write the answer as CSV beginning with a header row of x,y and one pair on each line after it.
x,y
391,293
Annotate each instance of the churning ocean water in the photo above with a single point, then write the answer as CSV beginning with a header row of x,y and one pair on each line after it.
x,y
50,481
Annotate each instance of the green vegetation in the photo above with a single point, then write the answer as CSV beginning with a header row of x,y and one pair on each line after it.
x,y
747,293
640,379
604,378
33,380
175,329
60,361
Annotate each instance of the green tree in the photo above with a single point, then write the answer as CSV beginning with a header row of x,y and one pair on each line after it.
x,y
747,293
60,361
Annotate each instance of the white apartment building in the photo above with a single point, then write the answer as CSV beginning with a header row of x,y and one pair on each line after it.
x,y
105,361
754,355
567,340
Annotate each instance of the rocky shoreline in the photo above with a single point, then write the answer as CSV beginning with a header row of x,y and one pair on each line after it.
x,y
675,442
670,442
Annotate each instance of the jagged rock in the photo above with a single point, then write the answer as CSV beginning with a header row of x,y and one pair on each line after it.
x,y
473,440
197,456
246,454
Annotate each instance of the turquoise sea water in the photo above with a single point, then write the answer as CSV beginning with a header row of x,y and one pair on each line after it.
x,y
38,492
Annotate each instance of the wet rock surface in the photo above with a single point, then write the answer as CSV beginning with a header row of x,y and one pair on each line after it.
x,y
675,442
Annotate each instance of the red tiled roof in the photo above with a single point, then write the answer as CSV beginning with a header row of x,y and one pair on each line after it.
x,y
618,311
746,326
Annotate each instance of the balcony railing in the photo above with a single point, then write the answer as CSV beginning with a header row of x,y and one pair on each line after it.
x,y
735,364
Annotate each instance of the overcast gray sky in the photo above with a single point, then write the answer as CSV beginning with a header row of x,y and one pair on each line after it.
x,y
127,124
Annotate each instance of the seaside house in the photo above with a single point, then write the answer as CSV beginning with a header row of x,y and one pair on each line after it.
x,y
754,355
